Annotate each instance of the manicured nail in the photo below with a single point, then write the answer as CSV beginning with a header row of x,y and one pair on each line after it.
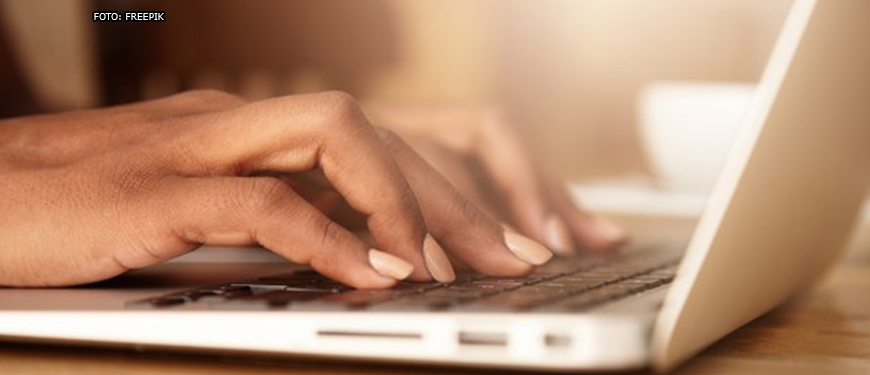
x,y
389,265
508,228
558,236
527,249
437,262
610,231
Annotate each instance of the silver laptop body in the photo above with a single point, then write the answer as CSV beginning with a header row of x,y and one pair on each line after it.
x,y
784,205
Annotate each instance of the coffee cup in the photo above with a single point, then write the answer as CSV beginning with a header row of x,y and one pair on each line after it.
x,y
688,129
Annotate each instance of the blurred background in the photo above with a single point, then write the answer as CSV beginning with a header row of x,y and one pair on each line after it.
x,y
568,70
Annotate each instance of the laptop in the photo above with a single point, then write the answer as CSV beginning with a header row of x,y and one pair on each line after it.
x,y
783,207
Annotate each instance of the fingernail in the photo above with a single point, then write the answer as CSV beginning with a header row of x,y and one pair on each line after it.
x,y
527,249
389,265
558,236
610,231
437,262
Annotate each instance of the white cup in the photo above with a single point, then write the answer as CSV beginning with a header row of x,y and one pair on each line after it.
x,y
688,129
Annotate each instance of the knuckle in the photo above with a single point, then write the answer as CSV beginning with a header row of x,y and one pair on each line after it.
x,y
468,212
337,98
390,139
330,234
332,240
338,108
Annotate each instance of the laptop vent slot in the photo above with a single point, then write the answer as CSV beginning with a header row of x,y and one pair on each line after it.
x,y
372,335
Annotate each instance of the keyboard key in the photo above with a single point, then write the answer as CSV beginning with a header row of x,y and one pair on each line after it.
x,y
160,302
415,303
305,275
274,299
361,297
516,300
451,293
595,297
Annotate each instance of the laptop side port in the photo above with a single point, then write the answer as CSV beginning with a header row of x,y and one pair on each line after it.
x,y
483,338
557,341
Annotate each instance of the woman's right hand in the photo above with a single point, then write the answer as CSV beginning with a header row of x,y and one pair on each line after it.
x,y
89,195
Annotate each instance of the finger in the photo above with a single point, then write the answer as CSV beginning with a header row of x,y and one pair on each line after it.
x,y
591,232
301,133
467,233
458,170
264,210
514,173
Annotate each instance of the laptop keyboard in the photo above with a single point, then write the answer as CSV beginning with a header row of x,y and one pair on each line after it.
x,y
573,284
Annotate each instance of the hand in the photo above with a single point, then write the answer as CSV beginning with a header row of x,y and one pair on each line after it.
x,y
479,152
89,195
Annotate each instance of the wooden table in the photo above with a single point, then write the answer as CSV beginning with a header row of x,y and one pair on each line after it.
x,y
826,331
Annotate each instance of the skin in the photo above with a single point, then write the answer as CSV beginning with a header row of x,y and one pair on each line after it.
x,y
479,151
89,195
